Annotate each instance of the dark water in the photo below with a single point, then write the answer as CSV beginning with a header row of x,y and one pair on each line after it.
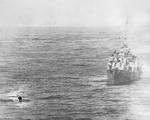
x,y
61,75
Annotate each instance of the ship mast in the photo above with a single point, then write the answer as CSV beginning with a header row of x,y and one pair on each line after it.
x,y
125,38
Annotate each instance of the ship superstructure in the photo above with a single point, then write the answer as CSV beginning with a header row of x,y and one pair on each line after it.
x,y
123,67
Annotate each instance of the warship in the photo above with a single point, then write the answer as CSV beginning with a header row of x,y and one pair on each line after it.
x,y
123,67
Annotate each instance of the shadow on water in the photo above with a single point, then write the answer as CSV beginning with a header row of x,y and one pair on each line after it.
x,y
52,97
6,100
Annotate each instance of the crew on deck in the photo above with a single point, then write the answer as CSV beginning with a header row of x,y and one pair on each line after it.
x,y
122,60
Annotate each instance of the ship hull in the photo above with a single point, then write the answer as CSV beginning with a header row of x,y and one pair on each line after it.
x,y
119,77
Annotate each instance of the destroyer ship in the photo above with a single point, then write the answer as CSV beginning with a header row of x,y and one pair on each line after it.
x,y
123,67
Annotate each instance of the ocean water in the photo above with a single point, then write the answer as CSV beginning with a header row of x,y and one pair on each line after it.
x,y
61,75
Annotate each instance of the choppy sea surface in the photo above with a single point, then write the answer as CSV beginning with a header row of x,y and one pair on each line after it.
x,y
61,75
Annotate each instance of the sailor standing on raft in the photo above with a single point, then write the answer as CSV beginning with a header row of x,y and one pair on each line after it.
x,y
19,98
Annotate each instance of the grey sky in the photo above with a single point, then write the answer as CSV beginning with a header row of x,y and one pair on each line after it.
x,y
73,12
